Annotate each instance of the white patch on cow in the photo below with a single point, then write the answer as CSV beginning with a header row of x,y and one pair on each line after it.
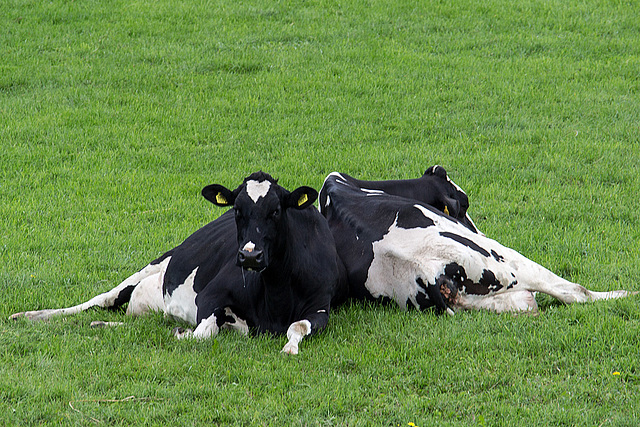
x,y
240,325
181,304
147,296
295,333
249,247
371,192
257,189
206,328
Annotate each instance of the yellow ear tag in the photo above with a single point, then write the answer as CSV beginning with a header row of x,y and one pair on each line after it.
x,y
221,199
446,210
303,199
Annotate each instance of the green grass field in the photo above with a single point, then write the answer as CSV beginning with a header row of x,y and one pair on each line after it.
x,y
114,115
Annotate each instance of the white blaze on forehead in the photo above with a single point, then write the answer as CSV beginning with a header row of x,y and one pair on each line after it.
x,y
249,247
256,189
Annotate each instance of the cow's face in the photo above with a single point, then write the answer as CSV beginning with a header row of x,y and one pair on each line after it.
x,y
260,206
449,198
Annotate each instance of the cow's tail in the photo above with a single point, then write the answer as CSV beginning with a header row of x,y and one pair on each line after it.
x,y
142,290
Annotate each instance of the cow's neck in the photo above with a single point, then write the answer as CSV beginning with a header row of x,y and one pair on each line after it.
x,y
277,278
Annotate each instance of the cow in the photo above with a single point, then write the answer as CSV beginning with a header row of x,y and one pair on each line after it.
x,y
404,250
434,188
267,265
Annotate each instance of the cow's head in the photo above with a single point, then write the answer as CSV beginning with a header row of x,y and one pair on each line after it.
x,y
448,197
260,206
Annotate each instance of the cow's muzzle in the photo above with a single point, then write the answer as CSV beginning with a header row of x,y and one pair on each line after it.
x,y
251,260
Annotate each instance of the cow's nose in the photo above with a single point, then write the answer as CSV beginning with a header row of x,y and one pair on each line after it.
x,y
251,260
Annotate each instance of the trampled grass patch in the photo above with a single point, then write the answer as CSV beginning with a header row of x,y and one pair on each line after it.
x,y
113,116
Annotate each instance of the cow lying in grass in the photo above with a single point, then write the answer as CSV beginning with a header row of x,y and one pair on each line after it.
x,y
396,245
267,265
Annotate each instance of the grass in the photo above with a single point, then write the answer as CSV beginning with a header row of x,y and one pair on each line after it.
x,y
113,116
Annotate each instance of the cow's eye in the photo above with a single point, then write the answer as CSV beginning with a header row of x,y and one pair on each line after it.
x,y
275,214
238,214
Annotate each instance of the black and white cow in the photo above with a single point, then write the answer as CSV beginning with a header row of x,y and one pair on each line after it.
x,y
405,250
434,188
268,265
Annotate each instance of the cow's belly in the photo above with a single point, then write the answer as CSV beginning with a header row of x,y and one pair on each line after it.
x,y
405,260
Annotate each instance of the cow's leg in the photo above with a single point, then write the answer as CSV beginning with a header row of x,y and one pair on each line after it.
x,y
313,322
569,292
235,323
117,296
511,301
207,328
295,333
537,278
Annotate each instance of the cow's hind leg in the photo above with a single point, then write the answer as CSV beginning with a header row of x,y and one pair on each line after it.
x,y
116,297
569,292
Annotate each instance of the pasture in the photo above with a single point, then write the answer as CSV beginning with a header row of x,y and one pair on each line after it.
x,y
115,114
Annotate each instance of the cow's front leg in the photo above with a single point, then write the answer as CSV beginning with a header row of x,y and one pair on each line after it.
x,y
295,333
312,323
206,328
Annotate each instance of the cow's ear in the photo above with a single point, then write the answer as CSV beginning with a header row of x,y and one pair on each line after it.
x,y
219,195
301,197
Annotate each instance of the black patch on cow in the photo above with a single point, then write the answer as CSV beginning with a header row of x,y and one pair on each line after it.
x,y
412,217
497,256
434,299
489,280
123,297
458,275
420,283
464,241
424,302
512,284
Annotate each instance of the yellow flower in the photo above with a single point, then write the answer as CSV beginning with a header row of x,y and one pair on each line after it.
x,y
616,373
412,424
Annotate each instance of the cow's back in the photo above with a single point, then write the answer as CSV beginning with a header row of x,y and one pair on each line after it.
x,y
208,249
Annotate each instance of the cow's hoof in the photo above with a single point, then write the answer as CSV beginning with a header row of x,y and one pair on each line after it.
x,y
34,315
290,349
17,316
180,332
